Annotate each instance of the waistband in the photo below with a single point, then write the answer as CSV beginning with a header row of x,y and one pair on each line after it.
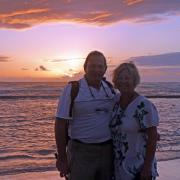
x,y
108,142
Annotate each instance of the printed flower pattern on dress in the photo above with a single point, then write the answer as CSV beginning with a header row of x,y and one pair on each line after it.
x,y
130,157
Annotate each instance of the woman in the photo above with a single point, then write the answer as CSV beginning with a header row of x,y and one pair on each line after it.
x,y
133,128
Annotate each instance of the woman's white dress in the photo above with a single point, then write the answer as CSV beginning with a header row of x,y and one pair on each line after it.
x,y
129,137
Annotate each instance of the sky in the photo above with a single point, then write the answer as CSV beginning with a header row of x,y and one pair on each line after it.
x,y
48,40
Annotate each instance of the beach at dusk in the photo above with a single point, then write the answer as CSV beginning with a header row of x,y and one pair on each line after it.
x,y
44,45
27,128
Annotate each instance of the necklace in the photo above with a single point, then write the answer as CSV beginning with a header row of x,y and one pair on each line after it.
x,y
125,102
90,90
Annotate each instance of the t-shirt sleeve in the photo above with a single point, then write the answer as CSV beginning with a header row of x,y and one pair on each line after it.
x,y
64,103
152,118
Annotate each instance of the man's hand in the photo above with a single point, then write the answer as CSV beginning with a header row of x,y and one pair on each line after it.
x,y
61,143
62,166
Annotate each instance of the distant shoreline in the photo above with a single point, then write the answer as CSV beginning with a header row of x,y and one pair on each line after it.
x,y
163,96
78,79
54,97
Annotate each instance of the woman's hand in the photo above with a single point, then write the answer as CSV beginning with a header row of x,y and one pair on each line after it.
x,y
146,173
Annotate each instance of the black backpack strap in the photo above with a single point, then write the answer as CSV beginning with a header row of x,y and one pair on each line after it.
x,y
74,93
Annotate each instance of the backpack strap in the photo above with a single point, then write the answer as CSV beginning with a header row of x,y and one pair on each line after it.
x,y
74,93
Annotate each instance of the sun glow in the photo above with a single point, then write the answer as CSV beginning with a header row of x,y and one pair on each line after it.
x,y
73,60
66,64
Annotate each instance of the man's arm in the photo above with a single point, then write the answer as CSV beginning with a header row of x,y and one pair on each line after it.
x,y
61,131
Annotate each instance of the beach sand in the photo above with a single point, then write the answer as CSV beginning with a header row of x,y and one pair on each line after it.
x,y
168,170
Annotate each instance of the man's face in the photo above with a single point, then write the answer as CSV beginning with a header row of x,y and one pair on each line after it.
x,y
95,68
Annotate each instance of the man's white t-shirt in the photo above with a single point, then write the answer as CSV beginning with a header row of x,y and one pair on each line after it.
x,y
92,112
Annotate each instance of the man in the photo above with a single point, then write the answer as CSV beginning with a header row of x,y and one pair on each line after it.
x,y
89,152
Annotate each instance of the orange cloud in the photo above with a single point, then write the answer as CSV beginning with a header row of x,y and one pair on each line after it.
x,y
132,2
24,69
25,14
22,12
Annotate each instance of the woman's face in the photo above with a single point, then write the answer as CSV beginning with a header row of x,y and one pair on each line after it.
x,y
125,82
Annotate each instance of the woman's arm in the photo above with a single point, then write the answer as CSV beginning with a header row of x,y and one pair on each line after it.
x,y
150,152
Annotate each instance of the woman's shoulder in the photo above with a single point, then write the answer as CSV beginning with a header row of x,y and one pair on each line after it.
x,y
147,103
143,102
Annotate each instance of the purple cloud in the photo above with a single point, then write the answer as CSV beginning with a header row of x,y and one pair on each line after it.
x,y
25,14
162,67
168,59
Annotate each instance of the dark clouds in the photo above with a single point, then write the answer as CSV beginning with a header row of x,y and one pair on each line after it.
x,y
41,68
24,69
65,59
169,59
74,76
162,67
21,14
5,59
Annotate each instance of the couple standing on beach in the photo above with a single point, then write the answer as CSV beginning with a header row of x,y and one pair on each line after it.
x,y
102,134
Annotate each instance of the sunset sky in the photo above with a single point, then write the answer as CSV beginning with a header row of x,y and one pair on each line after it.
x,y
47,40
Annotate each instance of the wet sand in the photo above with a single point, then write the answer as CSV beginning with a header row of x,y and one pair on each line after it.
x,y
167,170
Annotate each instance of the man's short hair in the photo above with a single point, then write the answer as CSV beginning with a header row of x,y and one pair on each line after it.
x,y
94,53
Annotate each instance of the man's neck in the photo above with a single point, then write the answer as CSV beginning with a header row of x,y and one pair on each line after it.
x,y
95,84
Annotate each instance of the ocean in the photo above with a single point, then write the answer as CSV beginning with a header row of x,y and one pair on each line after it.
x,y
27,114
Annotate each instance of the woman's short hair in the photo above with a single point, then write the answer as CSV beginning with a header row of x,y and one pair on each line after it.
x,y
94,53
132,69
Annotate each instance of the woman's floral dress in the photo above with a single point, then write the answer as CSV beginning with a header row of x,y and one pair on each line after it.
x,y
129,138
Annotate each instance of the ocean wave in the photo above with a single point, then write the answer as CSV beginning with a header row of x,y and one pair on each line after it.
x,y
163,96
26,170
27,97
16,157
167,155
168,159
56,96
44,152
